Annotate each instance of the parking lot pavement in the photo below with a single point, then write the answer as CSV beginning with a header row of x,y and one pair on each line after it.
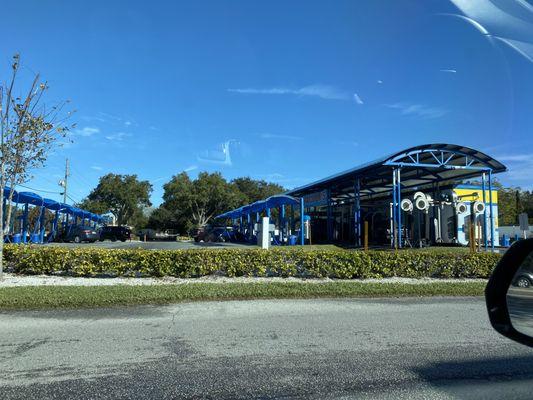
x,y
154,245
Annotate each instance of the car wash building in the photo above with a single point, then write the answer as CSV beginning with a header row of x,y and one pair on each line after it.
x,y
412,198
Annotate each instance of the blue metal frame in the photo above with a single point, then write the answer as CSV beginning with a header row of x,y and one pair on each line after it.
x,y
282,223
442,159
483,188
329,216
357,213
398,201
39,228
25,223
492,233
302,231
394,211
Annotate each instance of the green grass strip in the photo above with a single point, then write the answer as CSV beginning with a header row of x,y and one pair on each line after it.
x,y
46,297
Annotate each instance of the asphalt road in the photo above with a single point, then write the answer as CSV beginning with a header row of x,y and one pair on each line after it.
x,y
310,349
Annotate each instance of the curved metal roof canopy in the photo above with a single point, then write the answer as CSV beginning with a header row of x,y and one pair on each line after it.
x,y
420,166
36,200
259,206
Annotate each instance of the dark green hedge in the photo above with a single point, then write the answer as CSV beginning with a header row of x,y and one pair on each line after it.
x,y
248,262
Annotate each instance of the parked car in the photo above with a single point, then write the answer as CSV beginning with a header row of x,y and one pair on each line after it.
x,y
218,234
212,234
115,233
147,234
79,233
524,278
151,234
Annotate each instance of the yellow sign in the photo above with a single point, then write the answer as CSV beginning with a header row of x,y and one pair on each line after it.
x,y
476,195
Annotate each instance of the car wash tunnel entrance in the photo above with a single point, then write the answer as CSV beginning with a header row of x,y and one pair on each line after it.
x,y
35,219
434,194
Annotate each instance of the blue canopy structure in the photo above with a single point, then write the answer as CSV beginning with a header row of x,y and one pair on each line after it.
x,y
30,198
281,200
276,201
52,204
260,206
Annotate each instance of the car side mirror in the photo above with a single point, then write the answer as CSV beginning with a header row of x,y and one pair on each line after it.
x,y
509,293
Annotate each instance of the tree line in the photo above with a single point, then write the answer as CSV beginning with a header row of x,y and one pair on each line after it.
x,y
187,203
511,202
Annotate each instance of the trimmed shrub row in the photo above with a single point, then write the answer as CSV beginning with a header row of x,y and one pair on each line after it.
x,y
248,262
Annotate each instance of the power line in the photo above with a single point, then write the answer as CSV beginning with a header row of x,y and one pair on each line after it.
x,y
39,190
39,176
80,176
73,199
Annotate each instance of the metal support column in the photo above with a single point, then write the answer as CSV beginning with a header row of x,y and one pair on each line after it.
x,y
398,201
302,232
485,233
357,212
282,223
292,222
25,223
54,226
492,230
41,224
394,225
329,217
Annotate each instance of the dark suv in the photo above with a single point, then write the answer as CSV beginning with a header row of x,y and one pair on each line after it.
x,y
115,233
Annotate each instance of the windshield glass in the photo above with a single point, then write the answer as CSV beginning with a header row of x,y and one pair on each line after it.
x,y
276,199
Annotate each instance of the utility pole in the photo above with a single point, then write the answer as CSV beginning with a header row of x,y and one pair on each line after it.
x,y
67,173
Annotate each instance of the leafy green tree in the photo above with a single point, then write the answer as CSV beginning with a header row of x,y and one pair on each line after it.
x,y
194,203
161,218
526,204
508,206
29,131
124,196
251,190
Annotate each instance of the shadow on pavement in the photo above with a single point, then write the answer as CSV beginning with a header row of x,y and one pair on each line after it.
x,y
511,377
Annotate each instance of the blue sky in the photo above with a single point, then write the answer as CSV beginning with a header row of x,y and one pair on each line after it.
x,y
287,91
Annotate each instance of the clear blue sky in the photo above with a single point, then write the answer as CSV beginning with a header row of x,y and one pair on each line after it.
x,y
288,91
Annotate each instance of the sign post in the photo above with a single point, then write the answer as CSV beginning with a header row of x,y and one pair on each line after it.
x,y
523,220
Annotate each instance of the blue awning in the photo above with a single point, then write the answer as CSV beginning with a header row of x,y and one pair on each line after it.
x,y
52,204
261,205
7,192
30,198
36,200
281,200
258,206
